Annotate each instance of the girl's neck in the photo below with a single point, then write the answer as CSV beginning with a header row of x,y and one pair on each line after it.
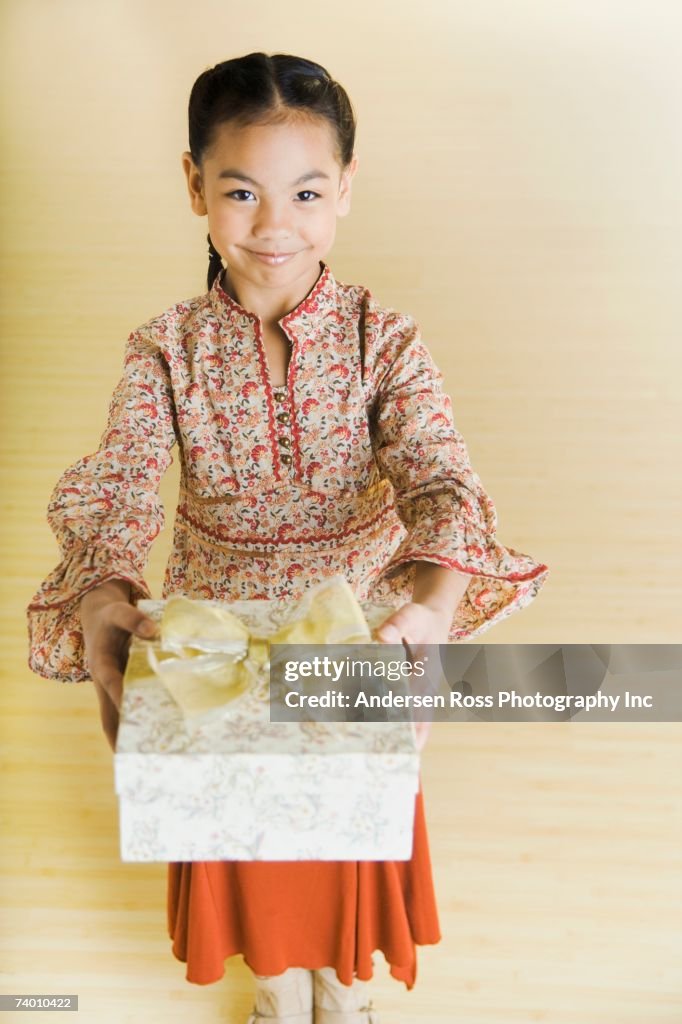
x,y
270,304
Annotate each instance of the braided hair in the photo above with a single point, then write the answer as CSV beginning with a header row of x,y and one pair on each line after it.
x,y
215,262
258,88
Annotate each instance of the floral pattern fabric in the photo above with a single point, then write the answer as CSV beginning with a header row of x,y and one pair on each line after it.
x,y
354,466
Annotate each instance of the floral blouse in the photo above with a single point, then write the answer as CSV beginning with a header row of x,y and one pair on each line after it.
x,y
353,466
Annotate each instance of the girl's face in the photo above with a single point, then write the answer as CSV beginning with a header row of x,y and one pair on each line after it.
x,y
272,193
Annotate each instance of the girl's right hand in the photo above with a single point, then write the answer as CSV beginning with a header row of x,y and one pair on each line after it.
x,y
108,620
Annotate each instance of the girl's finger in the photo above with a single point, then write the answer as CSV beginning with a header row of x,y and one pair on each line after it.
x,y
389,633
131,619
398,627
416,650
108,715
106,672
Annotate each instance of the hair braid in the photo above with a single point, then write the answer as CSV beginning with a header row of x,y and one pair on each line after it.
x,y
215,263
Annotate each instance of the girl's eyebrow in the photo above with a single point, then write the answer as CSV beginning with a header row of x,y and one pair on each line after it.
x,y
232,172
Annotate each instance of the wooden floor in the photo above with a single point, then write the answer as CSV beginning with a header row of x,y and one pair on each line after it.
x,y
518,193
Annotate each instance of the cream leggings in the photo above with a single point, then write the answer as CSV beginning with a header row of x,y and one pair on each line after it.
x,y
294,996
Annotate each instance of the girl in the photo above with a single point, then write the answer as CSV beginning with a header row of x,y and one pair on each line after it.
x,y
314,438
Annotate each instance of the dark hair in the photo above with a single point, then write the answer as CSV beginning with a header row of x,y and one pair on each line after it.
x,y
258,88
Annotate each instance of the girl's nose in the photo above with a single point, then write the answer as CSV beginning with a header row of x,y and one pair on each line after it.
x,y
273,220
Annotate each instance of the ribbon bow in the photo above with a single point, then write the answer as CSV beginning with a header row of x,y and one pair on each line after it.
x,y
207,657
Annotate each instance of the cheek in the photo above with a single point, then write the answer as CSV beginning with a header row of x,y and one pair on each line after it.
x,y
324,223
226,217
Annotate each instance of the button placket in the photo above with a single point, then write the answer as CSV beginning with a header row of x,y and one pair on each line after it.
x,y
283,421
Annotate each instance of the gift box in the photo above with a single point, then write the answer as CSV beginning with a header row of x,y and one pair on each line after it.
x,y
201,772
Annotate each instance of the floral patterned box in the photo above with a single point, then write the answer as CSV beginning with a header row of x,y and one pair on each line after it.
x,y
231,785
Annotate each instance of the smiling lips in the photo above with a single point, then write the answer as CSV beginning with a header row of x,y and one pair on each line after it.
x,y
272,258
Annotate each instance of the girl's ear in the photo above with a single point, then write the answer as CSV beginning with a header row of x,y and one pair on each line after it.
x,y
195,185
343,201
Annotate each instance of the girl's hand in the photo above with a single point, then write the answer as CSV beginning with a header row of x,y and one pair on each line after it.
x,y
108,620
416,625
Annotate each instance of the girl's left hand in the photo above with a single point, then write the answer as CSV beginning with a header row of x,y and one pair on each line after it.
x,y
416,625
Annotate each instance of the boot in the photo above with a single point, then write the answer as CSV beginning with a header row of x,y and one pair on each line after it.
x,y
336,1003
283,998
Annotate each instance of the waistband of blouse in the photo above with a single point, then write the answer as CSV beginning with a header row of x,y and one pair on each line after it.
x,y
221,521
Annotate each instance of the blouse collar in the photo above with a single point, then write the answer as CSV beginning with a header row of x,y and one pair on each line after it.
x,y
319,299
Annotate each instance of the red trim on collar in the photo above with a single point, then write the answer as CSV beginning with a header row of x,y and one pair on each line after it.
x,y
325,283
265,380
306,305
218,293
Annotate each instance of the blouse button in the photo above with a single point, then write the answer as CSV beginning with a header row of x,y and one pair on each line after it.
x,y
280,396
283,417
285,442
286,458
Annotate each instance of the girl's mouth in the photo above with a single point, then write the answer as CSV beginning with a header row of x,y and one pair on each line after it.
x,y
273,258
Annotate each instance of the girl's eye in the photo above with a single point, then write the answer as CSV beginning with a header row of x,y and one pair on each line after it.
x,y
242,195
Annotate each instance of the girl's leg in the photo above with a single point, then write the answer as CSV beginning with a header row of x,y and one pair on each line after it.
x,y
336,1003
285,998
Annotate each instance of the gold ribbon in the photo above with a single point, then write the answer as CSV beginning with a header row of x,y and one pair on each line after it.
x,y
207,657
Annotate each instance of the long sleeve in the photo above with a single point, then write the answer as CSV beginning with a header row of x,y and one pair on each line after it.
x,y
105,511
449,518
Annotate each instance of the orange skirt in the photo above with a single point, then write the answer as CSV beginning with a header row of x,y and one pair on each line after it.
x,y
312,914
